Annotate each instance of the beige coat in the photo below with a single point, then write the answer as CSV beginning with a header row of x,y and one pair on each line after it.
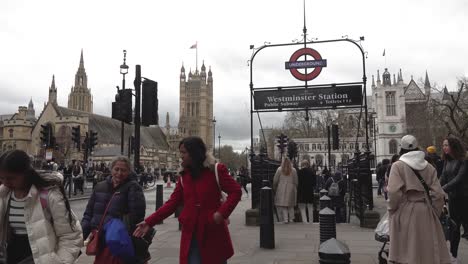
x,y
52,242
285,188
416,235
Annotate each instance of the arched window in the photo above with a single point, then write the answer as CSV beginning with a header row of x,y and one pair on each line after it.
x,y
11,132
314,147
390,103
393,146
319,146
307,147
198,108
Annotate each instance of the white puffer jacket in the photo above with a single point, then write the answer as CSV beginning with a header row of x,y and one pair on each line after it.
x,y
51,238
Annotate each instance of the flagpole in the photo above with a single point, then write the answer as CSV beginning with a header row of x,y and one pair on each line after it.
x,y
196,56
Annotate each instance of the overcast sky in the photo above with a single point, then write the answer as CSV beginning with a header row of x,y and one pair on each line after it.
x,y
42,38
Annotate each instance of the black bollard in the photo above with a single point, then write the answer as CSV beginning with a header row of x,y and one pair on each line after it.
x,y
267,225
325,201
323,192
159,198
266,183
327,224
334,251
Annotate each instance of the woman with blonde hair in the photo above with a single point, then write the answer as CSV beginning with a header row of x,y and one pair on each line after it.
x,y
285,185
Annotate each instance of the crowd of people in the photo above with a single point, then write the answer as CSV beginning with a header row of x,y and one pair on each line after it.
x,y
40,227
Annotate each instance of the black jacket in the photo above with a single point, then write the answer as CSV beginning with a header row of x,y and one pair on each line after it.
x,y
305,189
129,205
454,179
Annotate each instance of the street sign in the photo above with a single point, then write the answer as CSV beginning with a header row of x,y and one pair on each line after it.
x,y
293,64
48,154
349,95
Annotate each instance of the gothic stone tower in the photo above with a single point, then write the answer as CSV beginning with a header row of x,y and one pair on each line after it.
x,y
196,105
53,92
80,97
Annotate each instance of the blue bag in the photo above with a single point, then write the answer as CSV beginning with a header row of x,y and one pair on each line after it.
x,y
118,240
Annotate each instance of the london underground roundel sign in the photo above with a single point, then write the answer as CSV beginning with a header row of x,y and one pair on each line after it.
x,y
294,64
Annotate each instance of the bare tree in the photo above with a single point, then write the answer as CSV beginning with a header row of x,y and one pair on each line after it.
x,y
451,110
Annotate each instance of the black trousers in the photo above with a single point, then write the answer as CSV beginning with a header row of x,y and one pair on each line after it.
x,y
458,207
18,249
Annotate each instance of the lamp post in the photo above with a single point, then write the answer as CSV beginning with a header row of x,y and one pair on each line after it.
x,y
214,135
123,71
219,147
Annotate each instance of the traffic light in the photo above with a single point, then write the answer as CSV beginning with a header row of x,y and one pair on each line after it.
x,y
122,107
76,136
292,150
335,137
93,140
45,135
282,141
149,113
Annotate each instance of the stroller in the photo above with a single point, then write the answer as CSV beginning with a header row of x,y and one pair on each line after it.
x,y
382,233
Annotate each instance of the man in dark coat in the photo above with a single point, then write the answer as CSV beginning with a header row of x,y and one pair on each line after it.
x,y
305,190
338,202
435,160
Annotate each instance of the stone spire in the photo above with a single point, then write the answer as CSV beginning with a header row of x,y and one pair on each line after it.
x,y
400,77
168,125
426,81
80,97
394,80
31,113
210,76
373,82
203,70
53,91
182,72
378,77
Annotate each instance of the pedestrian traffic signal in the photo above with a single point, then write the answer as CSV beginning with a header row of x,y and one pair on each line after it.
x,y
93,140
335,137
76,136
122,107
282,141
149,114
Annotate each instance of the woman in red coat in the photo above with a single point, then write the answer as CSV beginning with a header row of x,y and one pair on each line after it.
x,y
205,235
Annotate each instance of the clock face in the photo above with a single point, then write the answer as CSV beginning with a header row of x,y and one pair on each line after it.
x,y
392,128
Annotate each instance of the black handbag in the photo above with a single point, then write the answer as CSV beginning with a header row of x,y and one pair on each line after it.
x,y
141,245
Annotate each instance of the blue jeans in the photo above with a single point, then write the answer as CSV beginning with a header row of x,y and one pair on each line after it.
x,y
194,253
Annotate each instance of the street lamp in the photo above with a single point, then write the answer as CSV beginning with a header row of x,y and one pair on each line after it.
x,y
123,71
214,135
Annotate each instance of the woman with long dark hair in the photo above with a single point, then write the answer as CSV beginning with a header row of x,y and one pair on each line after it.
x,y
37,224
205,235
454,180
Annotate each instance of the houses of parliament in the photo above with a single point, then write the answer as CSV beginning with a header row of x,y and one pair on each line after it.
x,y
158,150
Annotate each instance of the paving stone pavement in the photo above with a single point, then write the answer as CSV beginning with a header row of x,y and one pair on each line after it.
x,y
296,243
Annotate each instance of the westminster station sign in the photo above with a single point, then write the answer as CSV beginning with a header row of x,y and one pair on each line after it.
x,y
324,97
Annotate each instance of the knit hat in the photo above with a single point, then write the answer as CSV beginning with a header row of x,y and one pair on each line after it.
x,y
409,142
431,150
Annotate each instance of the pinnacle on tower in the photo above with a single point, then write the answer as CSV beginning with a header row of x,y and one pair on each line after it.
x,y
203,68
373,81
400,77
81,59
378,77
394,79
52,86
427,84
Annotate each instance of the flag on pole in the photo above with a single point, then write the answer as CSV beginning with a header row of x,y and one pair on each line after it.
x,y
382,54
194,46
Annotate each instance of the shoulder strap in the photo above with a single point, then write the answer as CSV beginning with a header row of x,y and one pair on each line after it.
x,y
105,211
423,182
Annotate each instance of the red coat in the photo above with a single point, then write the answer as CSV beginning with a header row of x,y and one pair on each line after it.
x,y
201,199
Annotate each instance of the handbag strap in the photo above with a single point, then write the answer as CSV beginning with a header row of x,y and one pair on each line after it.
x,y
105,211
423,182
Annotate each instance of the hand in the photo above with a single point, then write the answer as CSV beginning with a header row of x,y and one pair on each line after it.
x,y
218,218
141,230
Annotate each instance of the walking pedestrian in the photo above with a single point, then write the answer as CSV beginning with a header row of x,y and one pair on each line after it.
x,y
285,186
324,176
435,159
124,198
416,200
381,177
244,178
336,187
305,190
205,235
37,224
395,157
454,180
78,178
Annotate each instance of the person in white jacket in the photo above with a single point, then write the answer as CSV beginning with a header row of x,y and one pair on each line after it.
x,y
36,223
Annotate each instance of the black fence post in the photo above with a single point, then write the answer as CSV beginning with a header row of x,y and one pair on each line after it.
x,y
267,226
159,198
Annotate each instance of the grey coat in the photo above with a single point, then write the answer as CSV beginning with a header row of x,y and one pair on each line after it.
x,y
285,188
